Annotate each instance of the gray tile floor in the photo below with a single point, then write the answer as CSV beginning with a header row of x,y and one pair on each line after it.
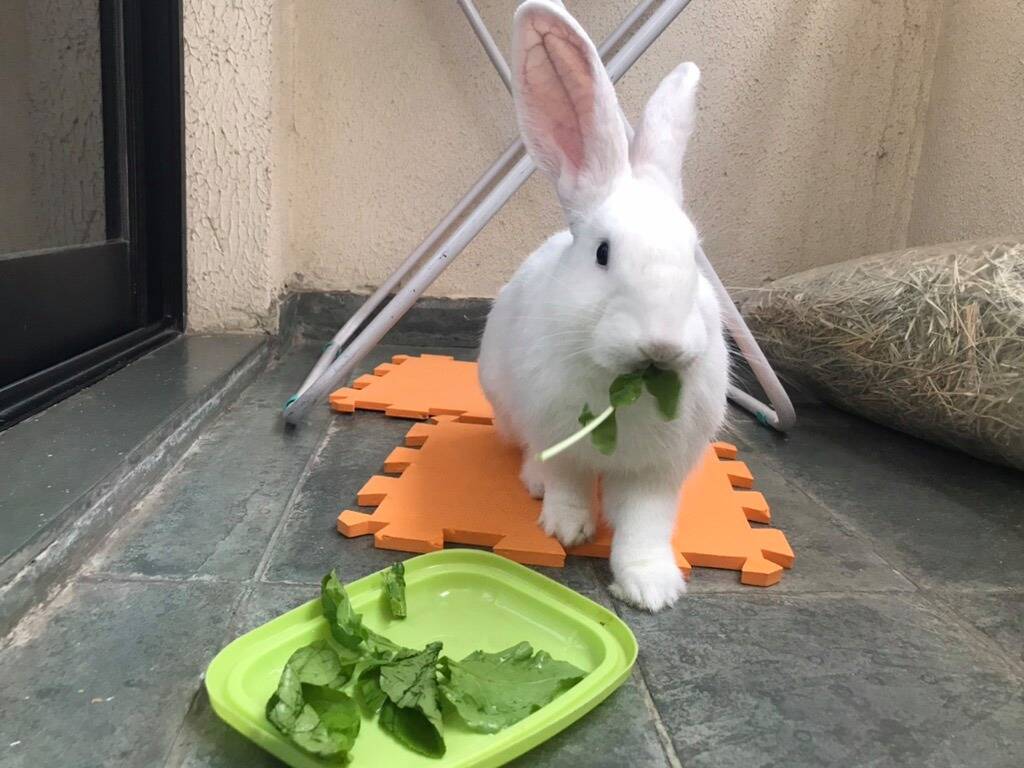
x,y
896,639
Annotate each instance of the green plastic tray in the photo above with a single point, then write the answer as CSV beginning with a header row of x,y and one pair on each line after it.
x,y
469,600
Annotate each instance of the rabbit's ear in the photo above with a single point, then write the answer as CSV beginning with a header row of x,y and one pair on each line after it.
x,y
660,141
566,106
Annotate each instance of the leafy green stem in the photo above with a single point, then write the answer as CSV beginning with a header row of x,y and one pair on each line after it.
x,y
574,438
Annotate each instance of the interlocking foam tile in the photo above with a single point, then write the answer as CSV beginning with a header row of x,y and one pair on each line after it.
x,y
459,483
713,528
418,387
462,485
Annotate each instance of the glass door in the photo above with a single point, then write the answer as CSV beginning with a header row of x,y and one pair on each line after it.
x,y
91,194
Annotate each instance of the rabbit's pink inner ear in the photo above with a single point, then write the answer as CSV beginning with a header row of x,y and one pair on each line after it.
x,y
557,89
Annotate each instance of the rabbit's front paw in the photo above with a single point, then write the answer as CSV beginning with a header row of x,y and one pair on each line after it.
x,y
532,479
569,523
650,585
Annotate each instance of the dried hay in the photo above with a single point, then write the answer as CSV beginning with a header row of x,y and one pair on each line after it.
x,y
928,340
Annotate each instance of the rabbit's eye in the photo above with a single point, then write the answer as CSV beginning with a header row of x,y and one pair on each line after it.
x,y
602,254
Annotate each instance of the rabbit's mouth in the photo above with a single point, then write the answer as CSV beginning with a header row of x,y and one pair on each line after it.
x,y
668,356
639,361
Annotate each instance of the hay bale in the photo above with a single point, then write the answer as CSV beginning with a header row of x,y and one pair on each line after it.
x,y
927,340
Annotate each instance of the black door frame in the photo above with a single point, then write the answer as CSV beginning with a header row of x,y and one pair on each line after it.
x,y
143,132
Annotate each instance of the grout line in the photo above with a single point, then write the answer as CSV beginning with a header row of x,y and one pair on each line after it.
x,y
244,595
986,643
290,583
931,596
659,725
172,751
101,577
264,564
645,692
837,519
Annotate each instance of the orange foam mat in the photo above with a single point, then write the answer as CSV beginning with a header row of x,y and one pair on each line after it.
x,y
418,387
457,482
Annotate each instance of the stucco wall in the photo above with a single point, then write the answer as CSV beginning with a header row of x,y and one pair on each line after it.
x,y
326,138
230,82
971,180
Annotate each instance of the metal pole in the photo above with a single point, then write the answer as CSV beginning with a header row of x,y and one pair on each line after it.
x,y
490,48
492,202
368,307
783,417
372,302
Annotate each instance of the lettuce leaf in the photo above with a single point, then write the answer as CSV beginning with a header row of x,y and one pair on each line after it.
x,y
309,706
666,388
604,435
412,711
368,689
394,589
346,625
337,725
492,691
626,389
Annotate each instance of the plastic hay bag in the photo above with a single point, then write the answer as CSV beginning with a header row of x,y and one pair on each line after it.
x,y
928,340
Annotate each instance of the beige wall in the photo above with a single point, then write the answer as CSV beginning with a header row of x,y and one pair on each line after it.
x,y
971,180
810,118
229,147
326,138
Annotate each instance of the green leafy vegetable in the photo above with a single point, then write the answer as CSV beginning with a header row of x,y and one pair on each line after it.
x,y
346,625
309,706
368,689
625,390
492,691
412,729
324,685
394,589
320,664
379,648
665,387
590,424
412,712
334,733
605,434
286,704
586,415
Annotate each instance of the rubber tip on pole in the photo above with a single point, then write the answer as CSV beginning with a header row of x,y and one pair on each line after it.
x,y
761,419
289,401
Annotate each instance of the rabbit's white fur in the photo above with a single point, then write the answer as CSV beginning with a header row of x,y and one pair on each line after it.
x,y
564,326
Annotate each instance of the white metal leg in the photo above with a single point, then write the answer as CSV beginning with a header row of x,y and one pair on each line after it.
x,y
335,365
782,417
368,307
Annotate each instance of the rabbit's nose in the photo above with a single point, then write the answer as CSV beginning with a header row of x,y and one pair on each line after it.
x,y
662,350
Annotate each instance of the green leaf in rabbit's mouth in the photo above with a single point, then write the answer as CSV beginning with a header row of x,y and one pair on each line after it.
x,y
663,385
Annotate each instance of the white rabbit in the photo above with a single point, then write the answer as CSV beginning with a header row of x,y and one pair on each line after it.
x,y
617,290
